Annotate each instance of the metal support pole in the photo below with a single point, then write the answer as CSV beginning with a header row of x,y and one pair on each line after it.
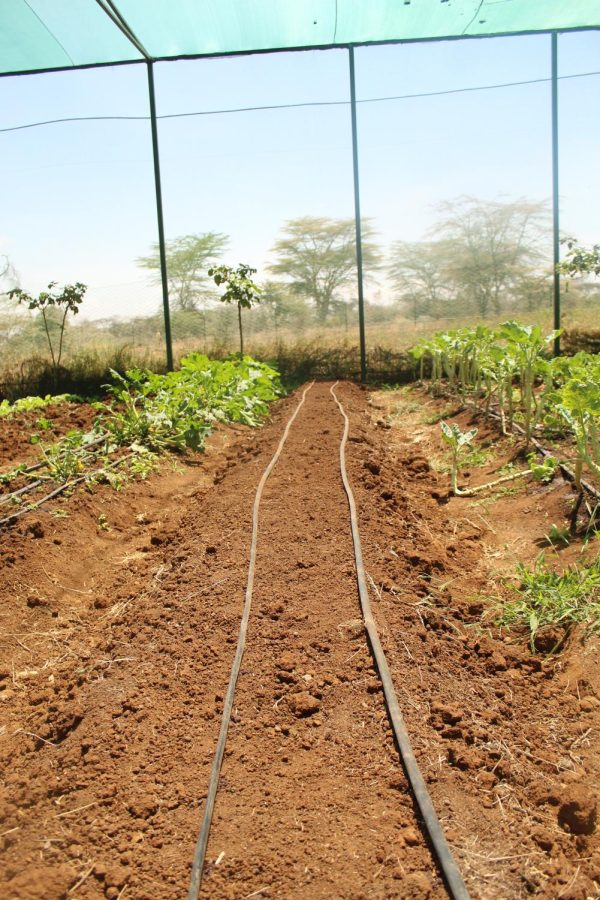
x,y
555,197
159,216
359,256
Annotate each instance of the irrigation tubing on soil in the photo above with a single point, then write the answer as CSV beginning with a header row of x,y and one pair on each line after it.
x,y
569,475
455,884
200,851
6,498
44,463
61,489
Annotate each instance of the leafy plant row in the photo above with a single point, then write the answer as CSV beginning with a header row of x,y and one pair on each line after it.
x,y
508,370
149,414
25,404
180,409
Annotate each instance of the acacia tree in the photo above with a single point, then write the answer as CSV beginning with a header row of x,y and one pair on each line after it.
x,y
318,257
188,257
492,247
418,275
281,306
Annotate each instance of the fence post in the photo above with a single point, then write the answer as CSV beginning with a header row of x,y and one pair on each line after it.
x,y
359,256
159,216
555,197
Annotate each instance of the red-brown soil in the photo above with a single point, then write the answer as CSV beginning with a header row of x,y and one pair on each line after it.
x,y
118,631
16,430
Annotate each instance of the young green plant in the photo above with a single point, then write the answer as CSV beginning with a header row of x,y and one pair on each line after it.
x,y
559,599
68,301
239,289
459,441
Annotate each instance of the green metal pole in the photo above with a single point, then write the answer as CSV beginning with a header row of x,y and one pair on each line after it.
x,y
159,216
555,197
359,255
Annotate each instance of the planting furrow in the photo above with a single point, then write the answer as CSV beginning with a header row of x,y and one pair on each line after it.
x,y
313,799
119,625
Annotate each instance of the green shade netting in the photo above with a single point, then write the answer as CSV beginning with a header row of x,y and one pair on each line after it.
x,y
49,34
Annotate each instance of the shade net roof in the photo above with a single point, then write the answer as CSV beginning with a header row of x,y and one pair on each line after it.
x,y
41,35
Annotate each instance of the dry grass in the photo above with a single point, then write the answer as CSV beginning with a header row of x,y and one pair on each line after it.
x,y
299,353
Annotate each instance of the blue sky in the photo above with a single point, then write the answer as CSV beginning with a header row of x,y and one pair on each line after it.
x,y
78,198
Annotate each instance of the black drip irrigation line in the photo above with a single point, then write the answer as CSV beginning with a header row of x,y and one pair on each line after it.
x,y
200,851
455,885
9,520
454,882
6,498
566,471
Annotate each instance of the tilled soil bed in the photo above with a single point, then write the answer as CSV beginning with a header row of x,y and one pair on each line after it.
x,y
119,625
20,433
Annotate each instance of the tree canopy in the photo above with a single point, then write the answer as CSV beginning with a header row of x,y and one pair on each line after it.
x,y
579,260
318,256
488,256
418,275
8,277
188,258
493,247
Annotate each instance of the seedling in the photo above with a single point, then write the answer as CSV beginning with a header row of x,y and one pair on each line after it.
x,y
542,471
559,537
550,598
459,441
63,460
239,289
68,300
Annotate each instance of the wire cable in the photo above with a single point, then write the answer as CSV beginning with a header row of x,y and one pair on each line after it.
x,y
315,103
454,882
200,851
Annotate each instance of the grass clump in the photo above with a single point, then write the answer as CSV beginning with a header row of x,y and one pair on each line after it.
x,y
553,599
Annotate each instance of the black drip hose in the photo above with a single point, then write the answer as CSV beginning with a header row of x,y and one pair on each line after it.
x,y
454,882
566,471
9,520
200,851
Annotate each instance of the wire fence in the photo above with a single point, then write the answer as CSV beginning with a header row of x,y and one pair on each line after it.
x,y
258,151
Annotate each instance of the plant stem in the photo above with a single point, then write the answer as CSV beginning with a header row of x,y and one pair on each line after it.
x,y
62,334
454,474
575,513
510,402
527,392
241,332
469,492
49,340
